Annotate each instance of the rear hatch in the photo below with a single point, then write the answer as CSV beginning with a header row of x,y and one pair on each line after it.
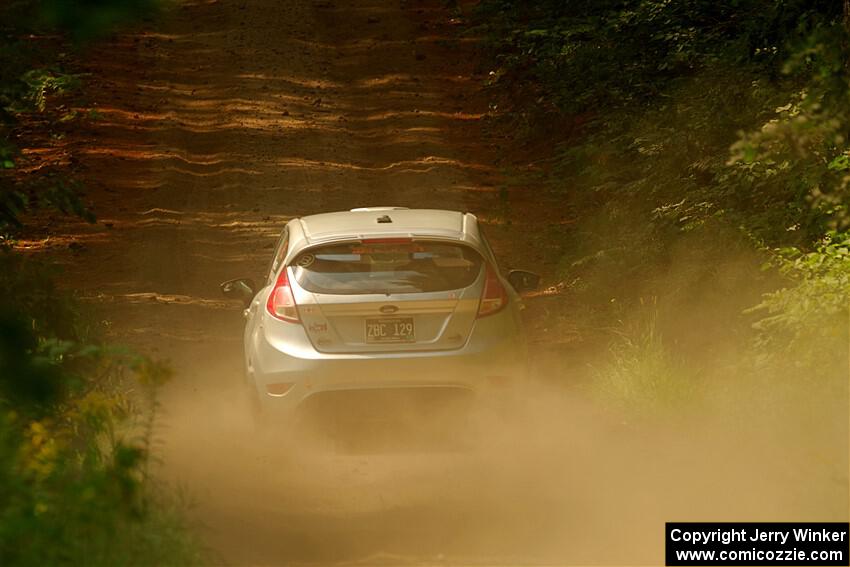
x,y
387,295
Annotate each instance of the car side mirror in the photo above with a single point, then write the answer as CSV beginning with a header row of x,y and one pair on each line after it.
x,y
523,281
242,289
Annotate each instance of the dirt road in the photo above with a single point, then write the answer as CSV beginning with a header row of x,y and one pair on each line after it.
x,y
230,119
236,115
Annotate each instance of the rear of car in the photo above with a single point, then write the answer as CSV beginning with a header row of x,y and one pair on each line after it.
x,y
382,301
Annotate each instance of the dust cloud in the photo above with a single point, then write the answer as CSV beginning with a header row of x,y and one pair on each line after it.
x,y
554,476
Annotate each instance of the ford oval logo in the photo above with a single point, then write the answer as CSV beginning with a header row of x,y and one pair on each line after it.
x,y
387,309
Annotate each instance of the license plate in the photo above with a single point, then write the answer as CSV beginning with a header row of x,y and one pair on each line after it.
x,y
396,330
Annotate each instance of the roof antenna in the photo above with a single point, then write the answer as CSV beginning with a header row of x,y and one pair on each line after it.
x,y
384,219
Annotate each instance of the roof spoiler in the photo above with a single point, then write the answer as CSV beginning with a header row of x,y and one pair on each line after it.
x,y
377,209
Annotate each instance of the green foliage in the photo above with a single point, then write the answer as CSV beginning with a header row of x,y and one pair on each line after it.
x,y
802,147
590,56
28,292
13,203
42,82
74,442
811,316
49,190
83,20
7,155
87,19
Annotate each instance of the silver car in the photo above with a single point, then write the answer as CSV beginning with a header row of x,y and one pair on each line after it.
x,y
381,301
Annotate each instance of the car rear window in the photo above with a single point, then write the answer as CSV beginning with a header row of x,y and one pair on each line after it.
x,y
386,267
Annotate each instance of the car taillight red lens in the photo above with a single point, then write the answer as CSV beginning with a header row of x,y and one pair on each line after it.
x,y
281,303
494,297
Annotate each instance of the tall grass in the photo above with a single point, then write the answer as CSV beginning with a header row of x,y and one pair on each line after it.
x,y
640,375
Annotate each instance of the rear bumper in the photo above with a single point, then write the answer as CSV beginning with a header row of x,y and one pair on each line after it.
x,y
483,365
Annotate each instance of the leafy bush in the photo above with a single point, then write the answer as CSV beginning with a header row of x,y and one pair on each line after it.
x,y
811,317
41,82
600,55
76,414
75,427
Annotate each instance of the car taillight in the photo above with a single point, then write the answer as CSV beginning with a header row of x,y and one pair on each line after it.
x,y
281,303
494,297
